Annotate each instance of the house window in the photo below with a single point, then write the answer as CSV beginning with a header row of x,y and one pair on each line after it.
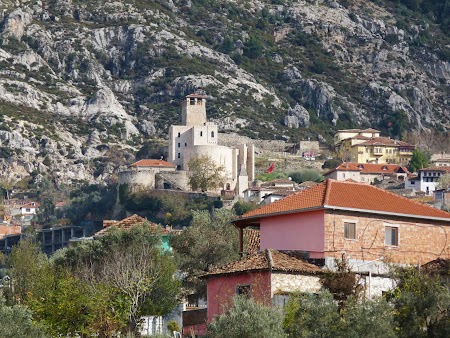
x,y
212,134
179,155
27,210
391,235
243,290
349,230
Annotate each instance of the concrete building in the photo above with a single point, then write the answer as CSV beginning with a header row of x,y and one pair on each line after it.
x,y
367,146
197,137
427,179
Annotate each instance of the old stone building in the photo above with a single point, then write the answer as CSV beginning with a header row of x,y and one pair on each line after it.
x,y
197,137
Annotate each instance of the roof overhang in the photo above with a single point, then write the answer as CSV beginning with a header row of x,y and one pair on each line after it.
x,y
248,221
332,207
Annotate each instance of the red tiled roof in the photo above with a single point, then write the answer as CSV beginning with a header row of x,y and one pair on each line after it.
x,y
333,194
441,168
151,163
370,168
268,259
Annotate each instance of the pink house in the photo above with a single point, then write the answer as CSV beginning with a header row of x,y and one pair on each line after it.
x,y
369,225
360,220
266,276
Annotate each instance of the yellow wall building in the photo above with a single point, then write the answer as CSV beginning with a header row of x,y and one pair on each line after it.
x,y
366,146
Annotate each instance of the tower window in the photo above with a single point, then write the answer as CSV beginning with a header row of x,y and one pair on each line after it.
x,y
179,155
185,144
201,133
179,134
179,145
212,134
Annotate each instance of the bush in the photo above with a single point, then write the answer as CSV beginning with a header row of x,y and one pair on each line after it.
x,y
306,175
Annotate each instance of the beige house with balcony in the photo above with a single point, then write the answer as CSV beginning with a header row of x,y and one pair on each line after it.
x,y
366,146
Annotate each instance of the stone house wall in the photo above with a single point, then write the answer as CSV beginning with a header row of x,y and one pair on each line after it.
x,y
284,283
419,241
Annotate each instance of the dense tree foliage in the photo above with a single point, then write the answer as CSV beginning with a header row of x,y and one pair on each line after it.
x,y
318,316
205,174
247,318
16,322
306,175
210,240
422,304
418,161
98,287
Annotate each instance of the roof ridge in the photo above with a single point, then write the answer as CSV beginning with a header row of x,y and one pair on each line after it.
x,y
397,196
327,191
269,258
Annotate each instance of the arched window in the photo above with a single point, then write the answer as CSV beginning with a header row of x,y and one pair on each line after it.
x,y
179,134
179,155
212,134
201,133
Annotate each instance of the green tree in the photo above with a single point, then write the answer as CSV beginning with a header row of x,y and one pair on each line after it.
x,y
209,241
306,175
443,182
241,207
253,48
17,322
318,316
311,315
331,164
247,318
205,174
132,263
30,270
418,161
422,304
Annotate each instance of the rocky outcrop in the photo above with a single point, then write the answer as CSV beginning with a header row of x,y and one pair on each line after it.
x,y
84,84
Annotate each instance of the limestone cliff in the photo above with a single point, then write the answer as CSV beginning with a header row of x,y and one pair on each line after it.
x,y
83,84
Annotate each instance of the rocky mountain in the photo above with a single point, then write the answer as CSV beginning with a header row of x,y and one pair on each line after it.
x,y
84,84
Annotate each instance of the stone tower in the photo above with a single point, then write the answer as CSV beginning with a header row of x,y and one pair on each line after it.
x,y
193,110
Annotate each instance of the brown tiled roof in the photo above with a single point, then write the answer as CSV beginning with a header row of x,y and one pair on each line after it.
x,y
370,168
151,163
125,224
278,181
251,240
438,266
383,141
368,130
268,259
333,194
197,95
441,168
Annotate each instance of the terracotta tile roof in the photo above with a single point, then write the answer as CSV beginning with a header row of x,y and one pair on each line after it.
x,y
151,163
441,168
383,141
278,181
333,194
197,95
368,130
268,259
128,223
370,168
251,240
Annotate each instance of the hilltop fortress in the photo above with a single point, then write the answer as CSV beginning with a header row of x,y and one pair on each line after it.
x,y
195,137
